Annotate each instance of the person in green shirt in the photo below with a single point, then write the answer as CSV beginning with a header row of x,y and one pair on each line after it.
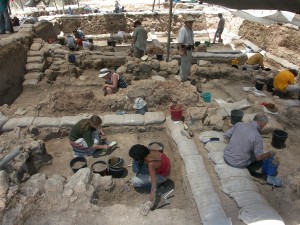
x,y
86,137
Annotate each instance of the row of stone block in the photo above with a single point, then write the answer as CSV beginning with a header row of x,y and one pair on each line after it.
x,y
108,120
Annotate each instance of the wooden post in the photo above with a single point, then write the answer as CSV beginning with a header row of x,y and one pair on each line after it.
x,y
78,3
63,6
169,30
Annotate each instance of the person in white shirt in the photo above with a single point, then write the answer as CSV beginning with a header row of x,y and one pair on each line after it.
x,y
186,46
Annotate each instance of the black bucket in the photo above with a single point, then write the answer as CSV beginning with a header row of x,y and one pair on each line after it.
x,y
115,167
236,116
270,85
111,43
159,57
100,167
197,43
78,163
259,85
279,138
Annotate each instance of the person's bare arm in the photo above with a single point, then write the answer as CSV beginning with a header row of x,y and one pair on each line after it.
x,y
182,50
114,81
96,146
152,173
266,155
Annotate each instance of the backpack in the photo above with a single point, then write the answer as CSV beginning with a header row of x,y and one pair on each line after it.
x,y
72,58
121,82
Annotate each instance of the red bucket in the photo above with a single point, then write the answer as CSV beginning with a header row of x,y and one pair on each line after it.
x,y
176,112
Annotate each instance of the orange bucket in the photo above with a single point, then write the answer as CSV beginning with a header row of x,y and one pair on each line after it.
x,y
176,112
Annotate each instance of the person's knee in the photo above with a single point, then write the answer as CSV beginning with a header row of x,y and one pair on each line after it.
x,y
137,182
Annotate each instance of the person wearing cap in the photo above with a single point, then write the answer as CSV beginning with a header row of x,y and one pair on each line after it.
x,y
256,61
220,29
152,168
86,137
140,106
285,81
245,145
139,41
113,81
186,46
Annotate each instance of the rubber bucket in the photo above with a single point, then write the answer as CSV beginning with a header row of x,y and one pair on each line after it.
x,y
278,139
268,168
176,112
207,43
100,167
206,96
259,85
197,43
78,163
115,167
236,116
159,57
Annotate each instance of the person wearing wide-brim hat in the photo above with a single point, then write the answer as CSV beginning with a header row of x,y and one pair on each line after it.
x,y
113,81
186,46
140,106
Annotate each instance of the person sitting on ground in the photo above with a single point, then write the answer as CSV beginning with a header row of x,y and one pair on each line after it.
x,y
220,29
113,81
152,167
256,61
245,148
86,137
70,42
122,10
285,81
79,34
121,36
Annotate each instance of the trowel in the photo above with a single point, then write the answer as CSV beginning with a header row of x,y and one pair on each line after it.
x,y
165,199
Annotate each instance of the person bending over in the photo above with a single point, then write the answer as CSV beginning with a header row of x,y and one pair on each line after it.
x,y
152,167
285,81
86,137
245,147
256,61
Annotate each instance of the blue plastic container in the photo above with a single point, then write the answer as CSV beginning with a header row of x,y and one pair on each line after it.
x,y
206,96
268,168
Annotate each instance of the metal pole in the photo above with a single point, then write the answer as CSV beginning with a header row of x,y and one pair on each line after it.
x,y
153,6
9,157
63,6
169,30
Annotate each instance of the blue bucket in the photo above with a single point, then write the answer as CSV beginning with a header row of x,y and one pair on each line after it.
x,y
268,168
206,96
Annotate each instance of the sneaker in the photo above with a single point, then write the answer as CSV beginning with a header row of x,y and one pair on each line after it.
x,y
112,143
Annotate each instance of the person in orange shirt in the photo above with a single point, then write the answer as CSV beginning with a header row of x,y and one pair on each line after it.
x,y
256,61
285,81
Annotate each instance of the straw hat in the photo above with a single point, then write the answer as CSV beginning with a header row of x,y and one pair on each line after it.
x,y
189,18
103,72
139,103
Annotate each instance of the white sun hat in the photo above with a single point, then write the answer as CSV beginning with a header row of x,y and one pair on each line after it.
x,y
139,103
103,72
189,18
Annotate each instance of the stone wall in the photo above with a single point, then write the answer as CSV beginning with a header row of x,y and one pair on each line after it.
x,y
13,54
112,23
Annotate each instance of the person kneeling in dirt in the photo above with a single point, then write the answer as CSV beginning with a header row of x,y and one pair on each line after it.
x,y
245,147
256,61
152,167
285,81
86,137
70,42
113,81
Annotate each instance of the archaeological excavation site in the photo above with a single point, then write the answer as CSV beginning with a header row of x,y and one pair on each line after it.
x,y
166,140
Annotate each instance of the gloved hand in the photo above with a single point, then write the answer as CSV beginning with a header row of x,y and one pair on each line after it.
x,y
145,208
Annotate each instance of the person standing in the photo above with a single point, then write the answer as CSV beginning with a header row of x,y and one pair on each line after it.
x,y
220,29
139,41
245,148
5,22
185,46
